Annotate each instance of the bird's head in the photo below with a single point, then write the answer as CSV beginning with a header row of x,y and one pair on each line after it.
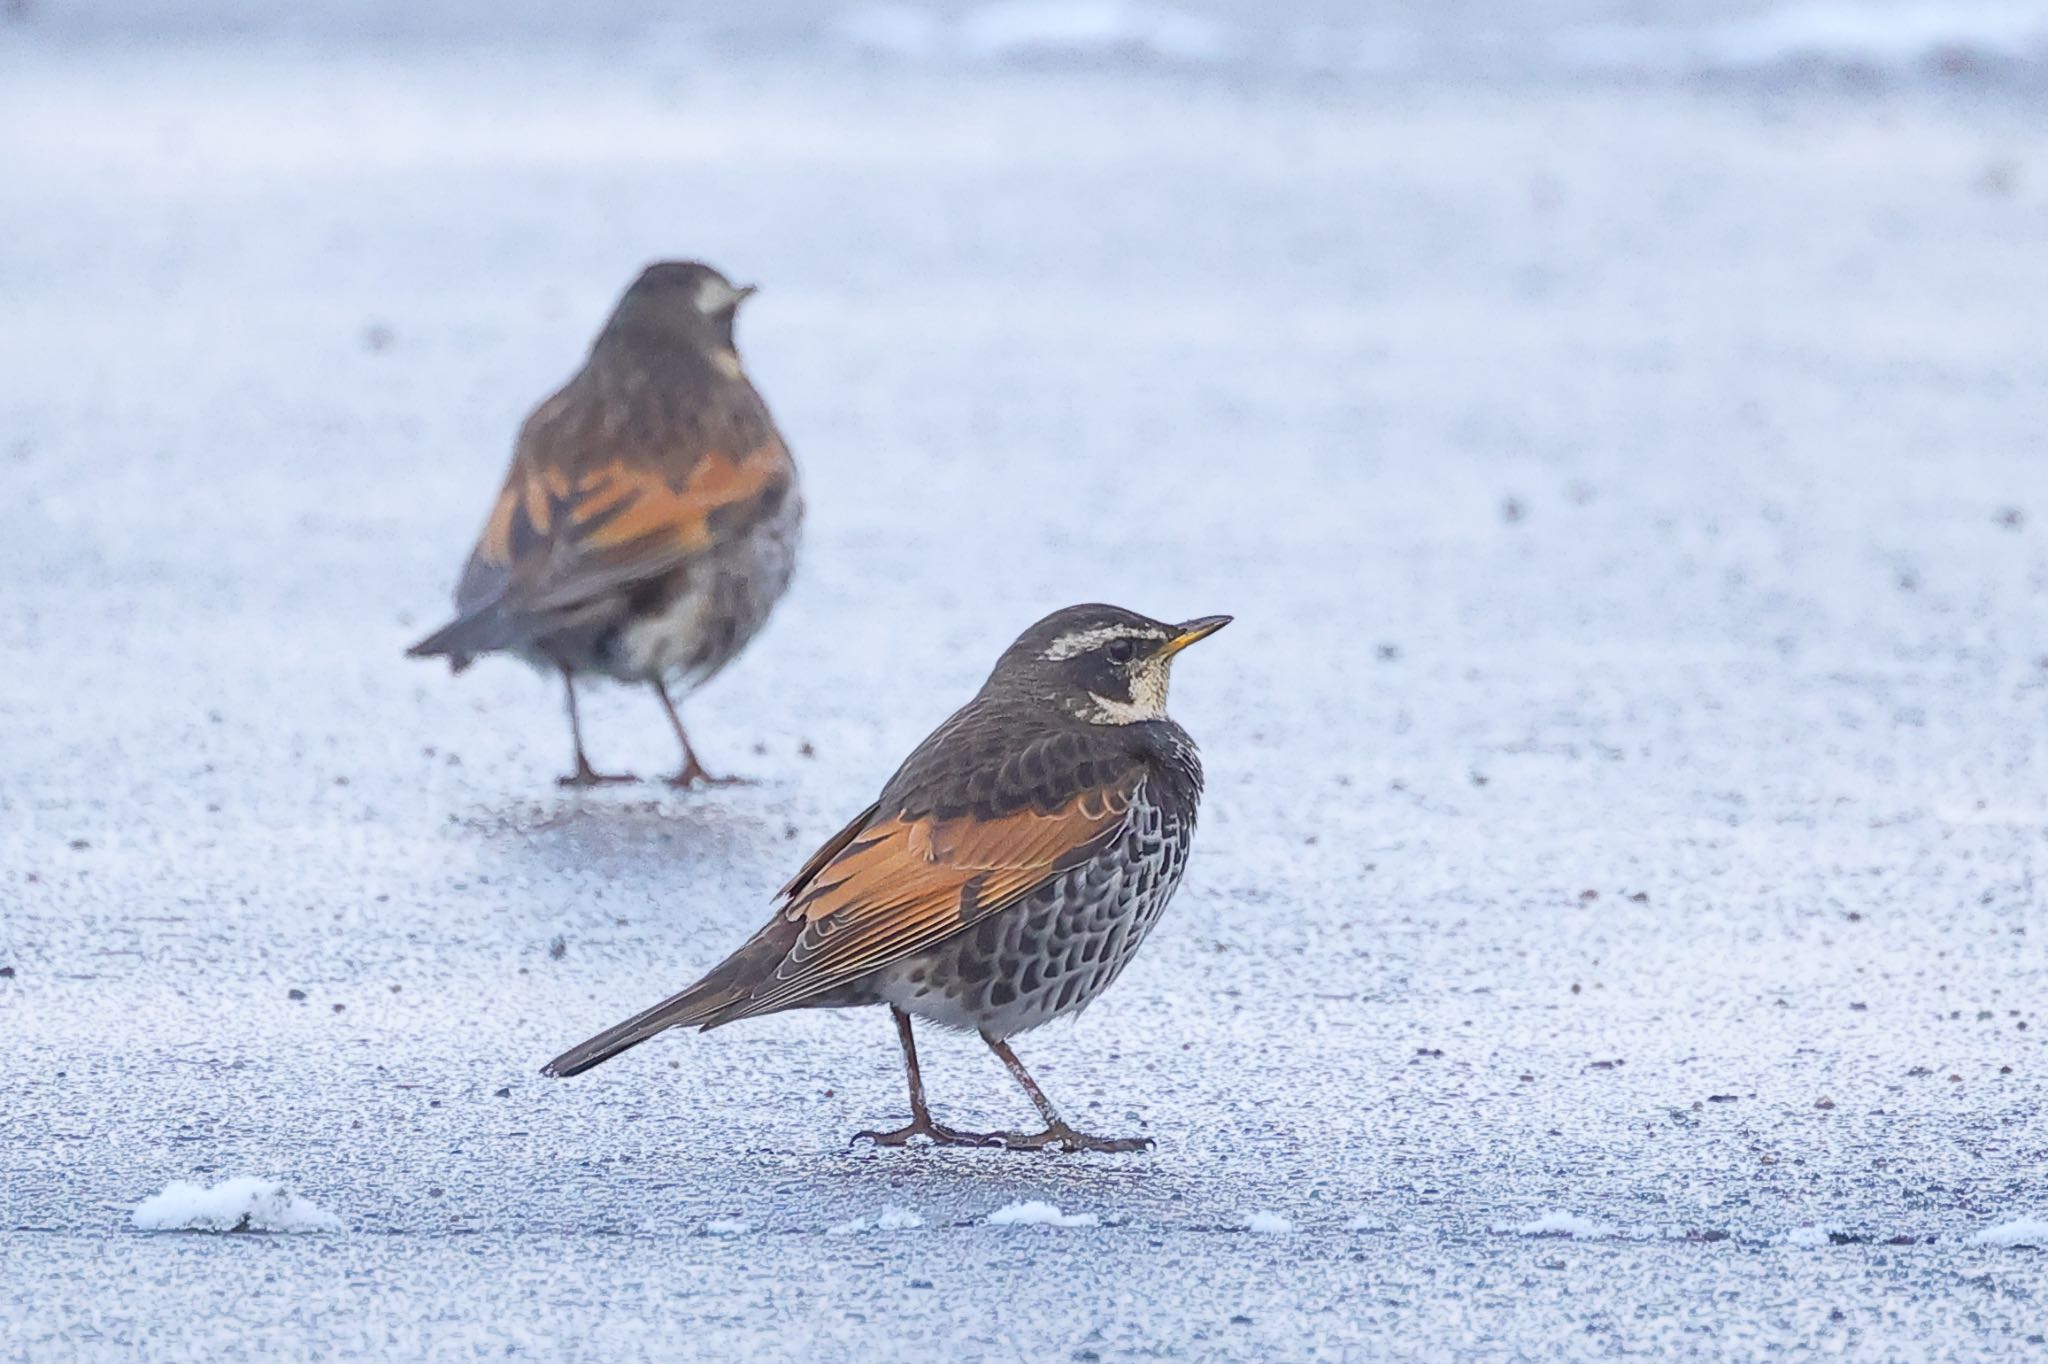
x,y
681,301
1101,664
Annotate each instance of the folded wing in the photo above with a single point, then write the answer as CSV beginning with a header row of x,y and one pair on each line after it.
x,y
557,539
904,885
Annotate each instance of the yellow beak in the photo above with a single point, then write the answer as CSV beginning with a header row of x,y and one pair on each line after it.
x,y
1190,631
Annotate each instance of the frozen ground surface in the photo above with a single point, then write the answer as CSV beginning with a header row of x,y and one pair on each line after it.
x,y
1977,41
1618,919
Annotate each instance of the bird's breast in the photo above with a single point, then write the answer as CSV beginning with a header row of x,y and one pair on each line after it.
x,y
1057,949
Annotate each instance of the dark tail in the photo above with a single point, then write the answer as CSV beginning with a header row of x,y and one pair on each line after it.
x,y
480,632
718,998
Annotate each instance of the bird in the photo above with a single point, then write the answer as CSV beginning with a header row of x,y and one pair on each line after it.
x,y
649,521
1004,877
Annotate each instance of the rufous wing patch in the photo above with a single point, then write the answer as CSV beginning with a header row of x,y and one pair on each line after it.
x,y
620,504
902,885
523,514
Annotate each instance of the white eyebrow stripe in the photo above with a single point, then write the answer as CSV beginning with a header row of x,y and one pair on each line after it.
x,y
1081,641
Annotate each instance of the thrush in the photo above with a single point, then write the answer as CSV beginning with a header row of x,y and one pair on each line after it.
x,y
1005,877
648,523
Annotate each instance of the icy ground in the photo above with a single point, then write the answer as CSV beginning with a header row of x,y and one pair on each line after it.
x,y
1617,923
1999,42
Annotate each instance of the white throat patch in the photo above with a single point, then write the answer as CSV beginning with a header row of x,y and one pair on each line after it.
x,y
1148,698
715,295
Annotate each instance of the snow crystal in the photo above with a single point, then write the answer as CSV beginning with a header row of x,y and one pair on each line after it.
x,y
2021,1231
1829,33
726,1226
889,31
1807,1236
1842,35
245,1204
889,1219
1560,1224
1035,1213
1041,31
1268,1222
1082,29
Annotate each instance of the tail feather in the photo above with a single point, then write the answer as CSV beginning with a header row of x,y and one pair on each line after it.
x,y
483,631
711,1001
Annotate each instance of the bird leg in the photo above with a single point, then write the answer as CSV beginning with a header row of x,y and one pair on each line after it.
x,y
585,774
921,1124
692,772
1056,1132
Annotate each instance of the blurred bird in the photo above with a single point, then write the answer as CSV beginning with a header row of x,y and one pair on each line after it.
x,y
649,521
1007,874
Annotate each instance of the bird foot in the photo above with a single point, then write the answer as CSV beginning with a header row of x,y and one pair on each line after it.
x,y
587,776
694,775
1065,1138
938,1134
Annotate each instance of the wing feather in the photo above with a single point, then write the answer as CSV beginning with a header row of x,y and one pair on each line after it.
x,y
904,884
554,542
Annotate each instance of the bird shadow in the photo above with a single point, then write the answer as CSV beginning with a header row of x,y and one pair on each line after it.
x,y
949,1185
626,839
975,1173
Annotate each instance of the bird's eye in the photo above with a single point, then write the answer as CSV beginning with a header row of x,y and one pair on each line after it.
x,y
1121,651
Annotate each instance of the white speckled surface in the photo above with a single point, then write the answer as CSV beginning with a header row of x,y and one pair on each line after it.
x,y
1629,808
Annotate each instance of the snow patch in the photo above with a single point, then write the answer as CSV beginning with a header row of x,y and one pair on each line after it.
x,y
726,1226
1270,1222
1925,36
889,1219
1040,30
1037,31
245,1204
1323,49
889,31
1808,1236
2021,1231
1559,1224
1036,1213
1844,34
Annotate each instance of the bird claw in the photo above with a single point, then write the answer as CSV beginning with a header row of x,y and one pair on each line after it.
x,y
1066,1139
938,1134
1059,1136
694,775
586,776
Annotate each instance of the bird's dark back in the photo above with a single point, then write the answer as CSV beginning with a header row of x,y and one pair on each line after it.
x,y
996,756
